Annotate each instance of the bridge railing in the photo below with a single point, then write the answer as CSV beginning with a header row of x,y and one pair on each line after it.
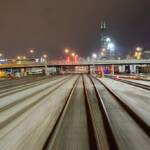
x,y
59,63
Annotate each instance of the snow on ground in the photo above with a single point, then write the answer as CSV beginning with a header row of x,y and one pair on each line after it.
x,y
22,94
136,97
31,129
139,81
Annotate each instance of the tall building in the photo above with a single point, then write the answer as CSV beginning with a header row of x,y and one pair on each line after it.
x,y
107,46
104,42
103,35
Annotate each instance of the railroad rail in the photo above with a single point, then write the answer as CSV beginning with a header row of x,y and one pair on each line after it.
x,y
108,124
147,87
55,135
14,88
95,142
71,112
128,108
4,107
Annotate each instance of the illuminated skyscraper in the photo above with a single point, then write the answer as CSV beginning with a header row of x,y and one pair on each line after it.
x,y
103,51
107,46
103,35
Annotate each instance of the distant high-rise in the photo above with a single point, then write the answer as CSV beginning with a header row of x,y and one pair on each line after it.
x,y
103,34
107,46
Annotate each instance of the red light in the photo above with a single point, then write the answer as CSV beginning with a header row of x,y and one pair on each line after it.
x,y
76,59
68,60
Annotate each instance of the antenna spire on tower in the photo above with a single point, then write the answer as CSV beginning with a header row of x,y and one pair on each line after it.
x,y
103,25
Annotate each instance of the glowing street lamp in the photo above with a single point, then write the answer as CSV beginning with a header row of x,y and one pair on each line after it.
x,y
45,56
102,54
67,55
94,55
138,49
73,57
18,57
72,54
103,50
24,57
45,63
31,51
66,51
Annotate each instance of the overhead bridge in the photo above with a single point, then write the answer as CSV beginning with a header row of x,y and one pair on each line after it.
x,y
83,63
112,66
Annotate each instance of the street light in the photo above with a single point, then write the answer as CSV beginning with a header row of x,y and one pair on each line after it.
x,y
45,56
18,57
31,51
66,51
73,57
94,55
73,54
24,57
103,50
45,63
102,53
138,49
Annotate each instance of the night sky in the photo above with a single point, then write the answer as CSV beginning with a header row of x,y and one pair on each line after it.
x,y
52,25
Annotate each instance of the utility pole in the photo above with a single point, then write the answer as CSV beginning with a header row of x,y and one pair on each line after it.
x,y
45,64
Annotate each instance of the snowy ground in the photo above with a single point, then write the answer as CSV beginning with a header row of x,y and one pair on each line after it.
x,y
31,128
136,97
139,81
